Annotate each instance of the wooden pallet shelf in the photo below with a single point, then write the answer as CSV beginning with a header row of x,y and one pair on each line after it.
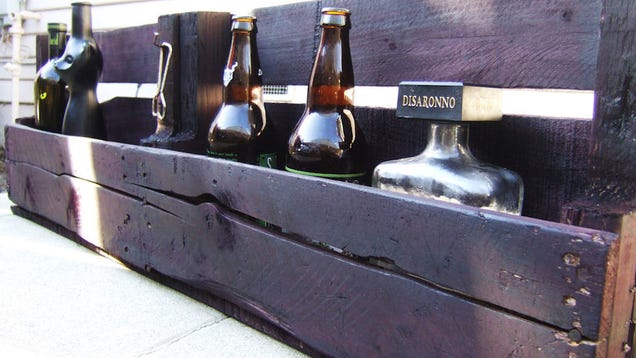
x,y
348,270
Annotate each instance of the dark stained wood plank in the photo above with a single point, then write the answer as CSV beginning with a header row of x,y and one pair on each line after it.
x,y
194,89
551,155
228,308
204,44
339,306
614,135
546,44
287,41
128,119
129,54
519,264
622,220
609,199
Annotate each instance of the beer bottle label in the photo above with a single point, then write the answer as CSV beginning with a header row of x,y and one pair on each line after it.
x,y
267,160
224,155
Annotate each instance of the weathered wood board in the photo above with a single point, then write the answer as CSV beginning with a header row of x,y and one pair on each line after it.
x,y
544,44
340,258
553,275
329,301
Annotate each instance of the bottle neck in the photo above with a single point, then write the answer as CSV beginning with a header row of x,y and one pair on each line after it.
x,y
57,43
242,77
447,140
331,82
82,21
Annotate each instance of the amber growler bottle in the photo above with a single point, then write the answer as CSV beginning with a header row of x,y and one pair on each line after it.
x,y
327,141
81,66
49,89
240,131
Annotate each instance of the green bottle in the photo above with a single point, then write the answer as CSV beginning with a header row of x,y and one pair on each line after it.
x,y
50,93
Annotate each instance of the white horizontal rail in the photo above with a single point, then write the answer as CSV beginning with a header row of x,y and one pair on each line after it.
x,y
549,103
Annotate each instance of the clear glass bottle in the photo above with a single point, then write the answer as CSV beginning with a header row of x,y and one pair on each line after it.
x,y
240,130
49,89
327,141
447,170
81,66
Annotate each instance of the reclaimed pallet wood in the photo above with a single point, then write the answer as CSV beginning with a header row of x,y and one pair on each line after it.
x,y
329,302
518,264
545,44
614,134
340,257
552,164
609,199
129,54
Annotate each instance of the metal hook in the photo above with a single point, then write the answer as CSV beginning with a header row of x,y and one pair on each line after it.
x,y
159,100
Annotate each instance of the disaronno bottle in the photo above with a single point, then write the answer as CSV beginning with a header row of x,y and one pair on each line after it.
x,y
81,66
49,89
446,169
327,141
240,131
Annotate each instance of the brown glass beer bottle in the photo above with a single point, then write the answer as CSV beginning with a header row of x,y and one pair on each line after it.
x,y
49,89
240,131
327,141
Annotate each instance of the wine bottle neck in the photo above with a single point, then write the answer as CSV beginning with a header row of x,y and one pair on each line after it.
x,y
82,20
447,140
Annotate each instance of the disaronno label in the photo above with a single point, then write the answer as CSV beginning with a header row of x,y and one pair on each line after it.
x,y
449,101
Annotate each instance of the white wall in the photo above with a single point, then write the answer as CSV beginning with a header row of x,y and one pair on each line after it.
x,y
107,14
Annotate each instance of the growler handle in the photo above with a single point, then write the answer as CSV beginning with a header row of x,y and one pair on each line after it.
x,y
159,100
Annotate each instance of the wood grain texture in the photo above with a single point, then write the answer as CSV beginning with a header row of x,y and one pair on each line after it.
x,y
614,134
620,296
129,54
224,306
209,43
546,44
339,306
128,119
287,41
518,264
551,155
609,199
202,44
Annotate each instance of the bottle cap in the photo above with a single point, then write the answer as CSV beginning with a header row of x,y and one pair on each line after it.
x,y
243,22
334,16
449,101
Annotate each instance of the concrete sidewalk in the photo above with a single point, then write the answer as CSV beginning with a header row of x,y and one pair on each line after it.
x,y
59,299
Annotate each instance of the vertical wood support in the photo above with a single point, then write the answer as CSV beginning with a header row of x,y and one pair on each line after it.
x,y
609,202
194,88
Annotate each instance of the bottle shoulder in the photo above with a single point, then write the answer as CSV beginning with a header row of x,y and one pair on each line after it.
x,y
240,121
48,74
469,182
